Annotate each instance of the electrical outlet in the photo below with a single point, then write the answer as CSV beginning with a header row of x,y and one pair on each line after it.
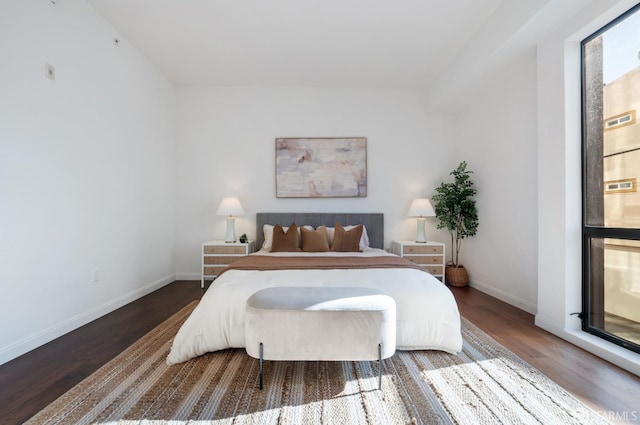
x,y
95,275
50,71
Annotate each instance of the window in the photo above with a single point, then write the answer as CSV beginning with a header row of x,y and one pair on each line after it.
x,y
611,164
620,186
627,118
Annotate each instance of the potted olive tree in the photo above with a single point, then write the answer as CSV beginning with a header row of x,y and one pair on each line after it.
x,y
456,211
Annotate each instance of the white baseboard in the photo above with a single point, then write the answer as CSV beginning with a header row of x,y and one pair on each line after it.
x,y
523,304
188,276
33,341
619,356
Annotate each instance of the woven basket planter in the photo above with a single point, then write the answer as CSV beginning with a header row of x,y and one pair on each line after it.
x,y
456,276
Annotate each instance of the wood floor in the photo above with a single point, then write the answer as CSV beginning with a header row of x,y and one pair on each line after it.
x,y
32,381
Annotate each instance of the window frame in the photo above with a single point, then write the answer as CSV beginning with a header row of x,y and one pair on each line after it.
x,y
593,232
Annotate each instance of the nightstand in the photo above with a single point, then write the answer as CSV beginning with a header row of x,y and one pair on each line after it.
x,y
216,255
429,255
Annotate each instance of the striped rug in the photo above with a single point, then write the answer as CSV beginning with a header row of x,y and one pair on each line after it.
x,y
485,384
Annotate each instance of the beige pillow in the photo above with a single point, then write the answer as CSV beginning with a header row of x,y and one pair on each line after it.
x,y
315,240
285,241
346,240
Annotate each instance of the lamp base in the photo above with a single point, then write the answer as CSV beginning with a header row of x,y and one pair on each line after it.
x,y
231,230
421,235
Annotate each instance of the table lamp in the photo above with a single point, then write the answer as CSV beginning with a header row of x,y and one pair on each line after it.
x,y
230,207
421,208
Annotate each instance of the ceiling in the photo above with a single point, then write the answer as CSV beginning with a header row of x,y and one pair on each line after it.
x,y
331,43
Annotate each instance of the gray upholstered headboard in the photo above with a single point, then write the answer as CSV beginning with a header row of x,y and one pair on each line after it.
x,y
374,222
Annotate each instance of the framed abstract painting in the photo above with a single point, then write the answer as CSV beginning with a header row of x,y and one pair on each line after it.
x,y
321,167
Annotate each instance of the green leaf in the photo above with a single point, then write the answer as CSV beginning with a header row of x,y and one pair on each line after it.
x,y
456,209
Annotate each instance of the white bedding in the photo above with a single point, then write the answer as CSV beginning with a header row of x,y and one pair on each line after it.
x,y
427,314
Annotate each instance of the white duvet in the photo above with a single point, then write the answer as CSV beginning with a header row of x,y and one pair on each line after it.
x,y
426,312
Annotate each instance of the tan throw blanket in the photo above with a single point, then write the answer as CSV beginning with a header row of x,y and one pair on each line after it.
x,y
267,262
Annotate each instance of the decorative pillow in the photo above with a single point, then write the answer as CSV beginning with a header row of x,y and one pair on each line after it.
x,y
346,240
285,241
315,240
267,230
364,240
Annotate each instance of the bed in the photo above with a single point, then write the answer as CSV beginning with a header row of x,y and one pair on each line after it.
x,y
427,314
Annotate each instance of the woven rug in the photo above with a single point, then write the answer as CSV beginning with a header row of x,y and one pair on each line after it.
x,y
485,384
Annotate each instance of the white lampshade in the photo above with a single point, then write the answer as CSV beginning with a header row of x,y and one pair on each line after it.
x,y
230,207
421,208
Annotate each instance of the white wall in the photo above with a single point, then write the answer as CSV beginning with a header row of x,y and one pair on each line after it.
x,y
87,178
226,147
559,186
497,136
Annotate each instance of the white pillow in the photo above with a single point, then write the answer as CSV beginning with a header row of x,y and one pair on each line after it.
x,y
267,229
364,239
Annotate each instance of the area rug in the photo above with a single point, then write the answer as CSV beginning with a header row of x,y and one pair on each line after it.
x,y
484,384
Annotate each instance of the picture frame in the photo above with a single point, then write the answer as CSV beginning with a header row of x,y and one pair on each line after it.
x,y
321,167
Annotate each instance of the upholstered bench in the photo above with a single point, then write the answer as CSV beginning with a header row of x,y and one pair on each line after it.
x,y
320,323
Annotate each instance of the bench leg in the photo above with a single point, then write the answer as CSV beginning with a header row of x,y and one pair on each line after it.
x,y
260,365
379,366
